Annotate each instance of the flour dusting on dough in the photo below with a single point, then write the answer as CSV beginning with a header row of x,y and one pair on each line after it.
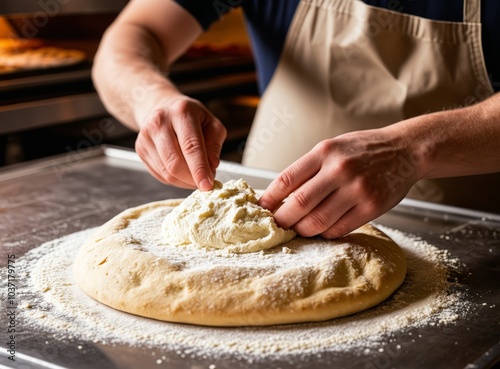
x,y
66,313
227,217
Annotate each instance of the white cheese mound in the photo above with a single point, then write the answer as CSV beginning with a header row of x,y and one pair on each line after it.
x,y
227,217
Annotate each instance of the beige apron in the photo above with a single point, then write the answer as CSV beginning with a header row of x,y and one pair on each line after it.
x,y
349,66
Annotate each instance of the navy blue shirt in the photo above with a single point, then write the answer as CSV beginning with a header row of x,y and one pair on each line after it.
x,y
268,22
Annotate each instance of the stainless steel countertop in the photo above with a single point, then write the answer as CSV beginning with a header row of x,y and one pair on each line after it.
x,y
50,198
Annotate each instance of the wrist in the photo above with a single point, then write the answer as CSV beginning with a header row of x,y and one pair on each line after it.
x,y
416,145
151,101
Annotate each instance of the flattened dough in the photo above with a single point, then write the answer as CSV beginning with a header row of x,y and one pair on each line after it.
x,y
127,265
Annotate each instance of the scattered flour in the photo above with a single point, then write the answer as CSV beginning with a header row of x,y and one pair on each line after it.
x,y
53,303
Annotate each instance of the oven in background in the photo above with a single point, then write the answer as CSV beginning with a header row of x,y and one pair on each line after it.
x,y
54,111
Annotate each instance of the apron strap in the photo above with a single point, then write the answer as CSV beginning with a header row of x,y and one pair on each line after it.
x,y
472,11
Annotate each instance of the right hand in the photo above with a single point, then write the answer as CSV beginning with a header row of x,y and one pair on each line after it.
x,y
344,182
180,143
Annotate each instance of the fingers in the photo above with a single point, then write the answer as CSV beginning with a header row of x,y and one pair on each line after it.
x,y
351,220
150,155
346,208
181,144
215,134
192,145
339,185
339,214
288,181
304,200
357,216
324,216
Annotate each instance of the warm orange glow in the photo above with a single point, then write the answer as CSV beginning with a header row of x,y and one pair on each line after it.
x,y
231,30
5,29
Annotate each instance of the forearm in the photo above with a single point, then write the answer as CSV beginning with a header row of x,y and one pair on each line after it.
x,y
142,42
456,142
128,75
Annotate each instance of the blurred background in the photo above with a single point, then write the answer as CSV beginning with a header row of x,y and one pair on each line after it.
x,y
48,104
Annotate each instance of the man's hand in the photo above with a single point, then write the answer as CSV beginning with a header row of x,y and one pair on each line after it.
x,y
179,140
343,183
180,143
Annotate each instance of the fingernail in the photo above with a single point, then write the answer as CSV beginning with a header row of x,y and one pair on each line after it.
x,y
206,184
265,205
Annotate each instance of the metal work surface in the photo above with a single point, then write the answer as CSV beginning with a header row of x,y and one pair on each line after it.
x,y
46,200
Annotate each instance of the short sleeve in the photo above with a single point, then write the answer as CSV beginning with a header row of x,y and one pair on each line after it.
x,y
207,12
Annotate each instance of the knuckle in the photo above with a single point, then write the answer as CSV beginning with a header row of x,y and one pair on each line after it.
x,y
219,128
199,170
366,189
348,166
305,231
337,230
316,222
214,152
345,164
167,176
139,146
173,164
161,178
154,122
375,207
220,134
301,200
223,131
323,147
180,106
284,181
216,149
312,225
192,145
361,188
371,207
169,179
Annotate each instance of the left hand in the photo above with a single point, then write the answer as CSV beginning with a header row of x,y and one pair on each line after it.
x,y
180,143
343,183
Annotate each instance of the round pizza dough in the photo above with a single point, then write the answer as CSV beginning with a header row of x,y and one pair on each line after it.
x,y
40,58
16,44
127,265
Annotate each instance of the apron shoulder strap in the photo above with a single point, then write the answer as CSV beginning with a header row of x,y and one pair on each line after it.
x,y
472,11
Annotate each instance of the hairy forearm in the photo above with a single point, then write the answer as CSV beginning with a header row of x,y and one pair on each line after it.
x,y
128,74
456,142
